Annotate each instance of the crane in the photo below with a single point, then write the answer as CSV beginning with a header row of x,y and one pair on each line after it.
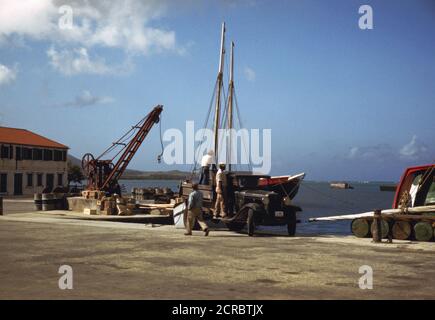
x,y
103,175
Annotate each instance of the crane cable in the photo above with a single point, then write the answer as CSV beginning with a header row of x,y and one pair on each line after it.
x,y
159,157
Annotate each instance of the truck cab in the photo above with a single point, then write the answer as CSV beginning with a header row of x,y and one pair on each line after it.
x,y
249,203
416,187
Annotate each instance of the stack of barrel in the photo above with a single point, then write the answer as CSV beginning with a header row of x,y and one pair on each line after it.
x,y
50,201
406,227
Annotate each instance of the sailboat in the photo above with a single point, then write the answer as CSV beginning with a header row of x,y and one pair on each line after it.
x,y
251,185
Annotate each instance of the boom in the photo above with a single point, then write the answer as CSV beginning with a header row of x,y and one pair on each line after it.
x,y
104,174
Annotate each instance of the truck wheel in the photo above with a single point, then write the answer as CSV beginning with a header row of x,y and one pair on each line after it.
x,y
291,224
251,223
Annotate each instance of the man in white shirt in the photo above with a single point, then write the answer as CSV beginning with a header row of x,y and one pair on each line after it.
x,y
221,186
206,161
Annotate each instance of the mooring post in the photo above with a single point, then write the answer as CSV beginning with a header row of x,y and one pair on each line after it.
x,y
1,206
377,231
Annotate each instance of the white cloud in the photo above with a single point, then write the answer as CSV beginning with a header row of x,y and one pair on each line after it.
x,y
7,75
413,150
85,99
249,74
377,152
75,61
123,25
119,24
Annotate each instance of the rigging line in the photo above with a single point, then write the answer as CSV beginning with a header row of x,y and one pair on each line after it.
x,y
120,139
196,155
124,147
224,117
239,118
159,157
426,175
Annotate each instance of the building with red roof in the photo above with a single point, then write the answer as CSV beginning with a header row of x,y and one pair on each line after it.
x,y
30,162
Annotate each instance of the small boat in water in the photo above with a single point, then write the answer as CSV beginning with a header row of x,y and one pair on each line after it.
x,y
340,185
288,185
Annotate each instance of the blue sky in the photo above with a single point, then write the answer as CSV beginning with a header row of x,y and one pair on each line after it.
x,y
342,103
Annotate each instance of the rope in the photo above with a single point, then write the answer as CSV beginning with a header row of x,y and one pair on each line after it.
x,y
196,156
159,157
241,126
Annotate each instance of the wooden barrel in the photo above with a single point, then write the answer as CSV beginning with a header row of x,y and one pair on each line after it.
x,y
385,228
58,201
48,201
37,197
360,228
401,230
423,231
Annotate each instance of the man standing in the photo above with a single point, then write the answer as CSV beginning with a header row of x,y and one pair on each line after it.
x,y
195,211
206,161
221,185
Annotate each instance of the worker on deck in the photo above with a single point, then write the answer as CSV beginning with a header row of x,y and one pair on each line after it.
x,y
206,161
194,206
221,189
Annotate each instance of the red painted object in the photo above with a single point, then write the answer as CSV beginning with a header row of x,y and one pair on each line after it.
x,y
407,179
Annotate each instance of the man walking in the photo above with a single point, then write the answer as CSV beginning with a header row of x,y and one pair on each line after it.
x,y
194,206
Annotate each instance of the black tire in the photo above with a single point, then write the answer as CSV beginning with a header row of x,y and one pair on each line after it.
x,y
251,223
291,224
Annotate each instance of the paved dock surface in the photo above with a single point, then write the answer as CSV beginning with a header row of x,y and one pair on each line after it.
x,y
135,261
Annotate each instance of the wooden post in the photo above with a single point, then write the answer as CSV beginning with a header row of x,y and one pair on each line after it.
x,y
377,227
1,206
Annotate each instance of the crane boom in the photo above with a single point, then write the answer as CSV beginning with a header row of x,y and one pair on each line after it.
x,y
104,174
122,163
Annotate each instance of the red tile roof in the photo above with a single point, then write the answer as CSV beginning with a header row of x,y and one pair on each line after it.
x,y
26,137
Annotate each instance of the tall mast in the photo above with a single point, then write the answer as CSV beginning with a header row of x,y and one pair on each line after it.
x,y
230,105
218,94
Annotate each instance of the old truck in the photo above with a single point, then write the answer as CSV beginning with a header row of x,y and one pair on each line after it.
x,y
251,202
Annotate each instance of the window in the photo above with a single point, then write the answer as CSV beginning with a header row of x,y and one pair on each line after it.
x,y
27,154
18,154
30,179
4,152
430,197
57,155
37,154
64,158
3,183
39,179
48,155
60,179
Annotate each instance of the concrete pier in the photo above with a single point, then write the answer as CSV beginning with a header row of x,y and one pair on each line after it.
x,y
130,260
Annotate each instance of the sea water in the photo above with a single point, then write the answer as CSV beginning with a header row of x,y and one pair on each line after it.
x,y
317,199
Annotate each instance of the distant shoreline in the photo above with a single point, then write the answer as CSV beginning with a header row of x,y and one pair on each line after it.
x,y
151,177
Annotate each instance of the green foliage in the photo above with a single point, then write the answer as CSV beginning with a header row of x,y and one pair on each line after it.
x,y
75,174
